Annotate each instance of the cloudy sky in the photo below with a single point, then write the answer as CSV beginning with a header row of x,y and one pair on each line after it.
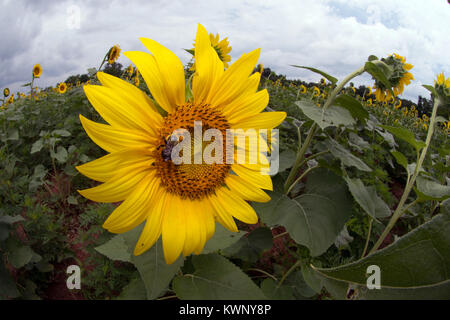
x,y
67,37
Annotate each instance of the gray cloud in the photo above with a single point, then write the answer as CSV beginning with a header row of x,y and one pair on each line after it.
x,y
336,36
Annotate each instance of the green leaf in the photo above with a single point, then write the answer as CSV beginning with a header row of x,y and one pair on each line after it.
x,y
151,265
379,73
10,219
372,58
346,157
135,290
250,248
332,79
271,290
72,200
8,288
416,266
221,239
216,278
430,88
19,255
287,159
37,146
61,154
115,249
61,132
406,135
401,160
431,189
354,106
13,135
315,218
332,116
368,199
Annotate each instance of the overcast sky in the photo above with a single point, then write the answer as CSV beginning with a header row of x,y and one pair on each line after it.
x,y
335,36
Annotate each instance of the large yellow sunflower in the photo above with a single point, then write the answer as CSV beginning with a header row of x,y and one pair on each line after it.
x,y
179,202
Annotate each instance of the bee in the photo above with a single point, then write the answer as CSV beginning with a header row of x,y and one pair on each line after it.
x,y
170,142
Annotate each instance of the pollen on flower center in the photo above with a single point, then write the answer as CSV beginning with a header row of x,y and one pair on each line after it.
x,y
190,180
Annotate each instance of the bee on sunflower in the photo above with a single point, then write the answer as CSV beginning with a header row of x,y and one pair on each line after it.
x,y
399,78
178,202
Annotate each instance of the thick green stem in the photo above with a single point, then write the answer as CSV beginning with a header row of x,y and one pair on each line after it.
x,y
400,210
299,159
368,237
296,265
341,85
300,178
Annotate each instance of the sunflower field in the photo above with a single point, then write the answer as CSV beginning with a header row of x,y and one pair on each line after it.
x,y
357,206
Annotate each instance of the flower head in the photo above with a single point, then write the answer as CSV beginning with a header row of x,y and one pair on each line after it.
x,y
442,86
399,78
62,87
178,201
37,71
316,91
6,92
114,54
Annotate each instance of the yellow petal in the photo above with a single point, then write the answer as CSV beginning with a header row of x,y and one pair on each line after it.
x,y
104,168
116,110
153,225
246,192
253,177
171,70
173,228
133,211
265,120
222,215
208,67
111,139
232,83
149,70
194,226
137,99
237,207
247,106
119,187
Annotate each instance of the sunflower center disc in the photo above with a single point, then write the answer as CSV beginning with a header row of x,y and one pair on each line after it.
x,y
189,180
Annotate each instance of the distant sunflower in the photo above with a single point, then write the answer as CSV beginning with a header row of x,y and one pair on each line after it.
x,y
302,89
62,87
399,79
130,70
37,70
442,86
398,104
11,99
6,92
316,91
114,54
178,202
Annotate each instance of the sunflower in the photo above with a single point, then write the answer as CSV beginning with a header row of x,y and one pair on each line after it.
x,y
130,70
6,92
179,202
37,71
369,102
442,86
399,79
398,104
10,99
302,89
114,54
316,91
368,92
62,87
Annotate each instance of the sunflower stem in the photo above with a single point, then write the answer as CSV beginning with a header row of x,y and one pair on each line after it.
x,y
400,210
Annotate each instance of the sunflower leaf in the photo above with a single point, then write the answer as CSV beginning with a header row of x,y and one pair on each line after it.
x,y
216,278
354,106
333,116
332,79
416,266
379,74
315,218
406,135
